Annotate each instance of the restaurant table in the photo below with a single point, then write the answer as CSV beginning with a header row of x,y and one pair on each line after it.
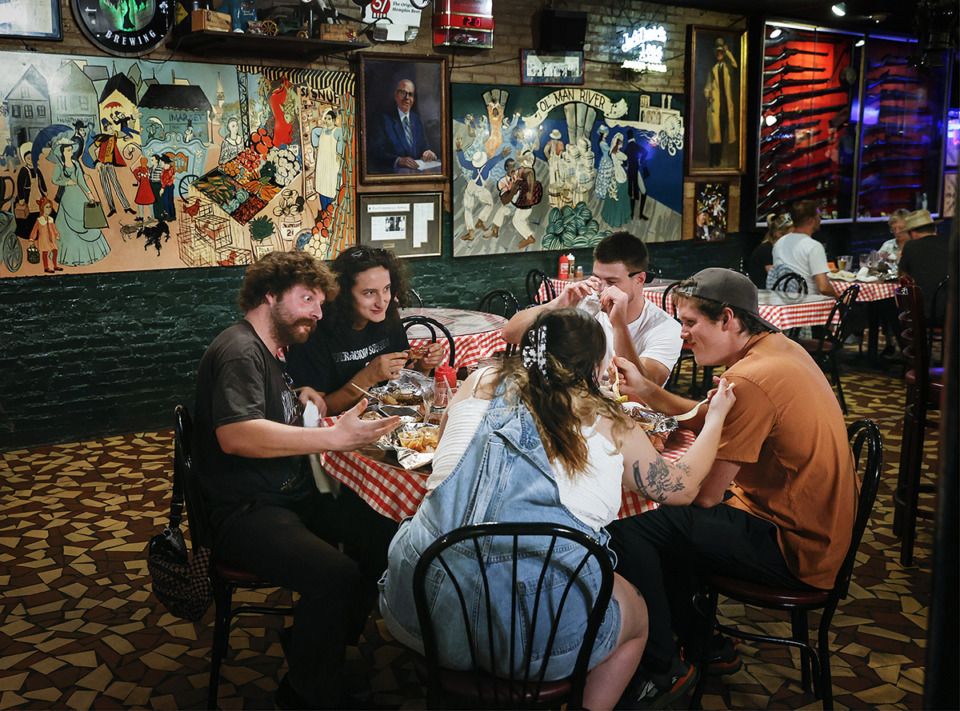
x,y
872,294
475,334
397,493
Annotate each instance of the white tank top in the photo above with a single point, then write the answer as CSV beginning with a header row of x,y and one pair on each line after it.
x,y
594,496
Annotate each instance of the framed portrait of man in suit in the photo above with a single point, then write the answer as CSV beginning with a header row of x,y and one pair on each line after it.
x,y
716,81
403,118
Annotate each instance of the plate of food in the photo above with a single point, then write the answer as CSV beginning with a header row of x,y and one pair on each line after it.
x,y
413,442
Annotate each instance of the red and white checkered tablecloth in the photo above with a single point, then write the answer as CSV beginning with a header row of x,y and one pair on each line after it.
x,y
475,334
782,310
869,290
397,492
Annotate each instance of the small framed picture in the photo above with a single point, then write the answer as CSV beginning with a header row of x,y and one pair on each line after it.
x,y
38,19
551,67
406,223
710,211
404,119
949,204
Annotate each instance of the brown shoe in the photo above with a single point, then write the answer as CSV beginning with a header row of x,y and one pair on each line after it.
x,y
527,242
494,231
468,236
480,226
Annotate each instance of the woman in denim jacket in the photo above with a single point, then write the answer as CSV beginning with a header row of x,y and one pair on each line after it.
x,y
537,440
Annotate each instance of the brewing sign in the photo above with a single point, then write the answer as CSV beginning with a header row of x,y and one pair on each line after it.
x,y
127,28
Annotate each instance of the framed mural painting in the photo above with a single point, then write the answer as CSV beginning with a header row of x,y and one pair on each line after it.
x,y
557,168
403,118
538,67
407,223
710,210
716,82
37,19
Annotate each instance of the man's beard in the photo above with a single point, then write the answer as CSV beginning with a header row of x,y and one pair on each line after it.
x,y
287,330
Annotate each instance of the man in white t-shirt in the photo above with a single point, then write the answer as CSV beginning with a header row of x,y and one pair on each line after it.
x,y
799,252
636,328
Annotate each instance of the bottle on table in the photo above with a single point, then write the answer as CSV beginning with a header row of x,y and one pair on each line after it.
x,y
579,273
444,387
571,262
564,272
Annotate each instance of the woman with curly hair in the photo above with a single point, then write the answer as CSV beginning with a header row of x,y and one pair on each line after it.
x,y
360,340
537,440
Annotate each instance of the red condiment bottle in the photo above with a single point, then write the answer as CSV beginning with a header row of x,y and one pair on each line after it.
x,y
564,273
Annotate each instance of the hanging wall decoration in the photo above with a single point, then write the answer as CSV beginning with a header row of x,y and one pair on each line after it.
x,y
543,169
37,19
110,166
126,28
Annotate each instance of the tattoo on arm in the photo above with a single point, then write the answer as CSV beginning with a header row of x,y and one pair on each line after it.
x,y
659,481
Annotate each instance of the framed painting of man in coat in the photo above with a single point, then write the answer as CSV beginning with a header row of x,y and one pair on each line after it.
x,y
404,115
716,82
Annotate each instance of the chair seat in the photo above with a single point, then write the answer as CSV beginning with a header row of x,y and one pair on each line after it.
x,y
475,685
746,591
236,575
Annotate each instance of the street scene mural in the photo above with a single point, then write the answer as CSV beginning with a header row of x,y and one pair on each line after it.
x,y
114,165
540,168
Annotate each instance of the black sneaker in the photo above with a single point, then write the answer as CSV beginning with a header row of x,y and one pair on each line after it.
x,y
724,658
657,691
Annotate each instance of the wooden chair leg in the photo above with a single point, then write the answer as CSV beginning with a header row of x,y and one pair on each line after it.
x,y
798,623
223,601
835,368
826,677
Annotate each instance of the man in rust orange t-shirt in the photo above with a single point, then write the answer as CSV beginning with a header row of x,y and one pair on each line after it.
x,y
779,503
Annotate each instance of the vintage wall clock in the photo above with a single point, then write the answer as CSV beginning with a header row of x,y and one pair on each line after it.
x,y
127,28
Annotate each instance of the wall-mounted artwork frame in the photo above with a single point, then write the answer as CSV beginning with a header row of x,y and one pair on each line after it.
x,y
717,97
949,202
389,86
36,19
711,208
409,224
124,32
537,67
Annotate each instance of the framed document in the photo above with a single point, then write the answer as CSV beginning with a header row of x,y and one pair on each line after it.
x,y
406,223
551,67
38,19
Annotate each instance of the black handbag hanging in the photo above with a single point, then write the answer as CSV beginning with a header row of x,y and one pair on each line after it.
x,y
181,582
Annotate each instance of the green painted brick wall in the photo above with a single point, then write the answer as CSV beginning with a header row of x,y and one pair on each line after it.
x,y
91,355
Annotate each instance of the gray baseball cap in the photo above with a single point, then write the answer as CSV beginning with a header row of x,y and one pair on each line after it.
x,y
726,286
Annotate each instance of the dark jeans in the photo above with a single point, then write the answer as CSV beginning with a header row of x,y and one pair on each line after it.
x,y
297,549
663,552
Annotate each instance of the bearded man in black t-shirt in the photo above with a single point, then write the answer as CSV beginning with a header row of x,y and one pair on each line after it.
x,y
268,517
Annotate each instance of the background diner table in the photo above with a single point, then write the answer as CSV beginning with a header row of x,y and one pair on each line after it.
x,y
397,492
872,294
782,310
475,334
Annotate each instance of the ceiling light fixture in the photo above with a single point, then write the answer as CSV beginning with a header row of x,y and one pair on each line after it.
x,y
840,9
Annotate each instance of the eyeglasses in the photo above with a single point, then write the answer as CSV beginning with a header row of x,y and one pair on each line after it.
x,y
406,94
687,290
633,274
366,253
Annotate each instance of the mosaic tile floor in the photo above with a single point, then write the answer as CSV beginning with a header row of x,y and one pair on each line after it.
x,y
79,628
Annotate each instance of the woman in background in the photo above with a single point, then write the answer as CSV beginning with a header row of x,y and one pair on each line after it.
x,y
360,340
761,259
536,440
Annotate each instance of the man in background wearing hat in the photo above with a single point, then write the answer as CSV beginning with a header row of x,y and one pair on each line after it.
x,y
779,503
925,258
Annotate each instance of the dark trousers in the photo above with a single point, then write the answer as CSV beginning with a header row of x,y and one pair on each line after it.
x,y
664,552
297,549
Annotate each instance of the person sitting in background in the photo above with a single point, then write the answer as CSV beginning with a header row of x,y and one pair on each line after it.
x,y
761,259
361,340
798,252
890,250
926,258
779,502
636,328
267,516
567,449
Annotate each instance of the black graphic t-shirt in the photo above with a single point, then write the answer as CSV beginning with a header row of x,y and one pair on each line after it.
x,y
333,354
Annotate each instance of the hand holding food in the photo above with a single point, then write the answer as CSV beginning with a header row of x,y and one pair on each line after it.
x,y
386,366
721,399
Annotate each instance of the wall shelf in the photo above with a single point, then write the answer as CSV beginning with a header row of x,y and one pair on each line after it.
x,y
209,42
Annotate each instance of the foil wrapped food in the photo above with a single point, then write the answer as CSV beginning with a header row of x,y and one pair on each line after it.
x,y
413,442
407,390
657,425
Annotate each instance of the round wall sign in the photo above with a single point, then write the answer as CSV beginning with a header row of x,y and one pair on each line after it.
x,y
127,28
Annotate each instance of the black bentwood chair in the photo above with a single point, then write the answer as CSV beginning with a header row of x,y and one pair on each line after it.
x,y
535,278
697,387
924,390
435,327
824,349
476,688
224,578
500,302
799,602
791,283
